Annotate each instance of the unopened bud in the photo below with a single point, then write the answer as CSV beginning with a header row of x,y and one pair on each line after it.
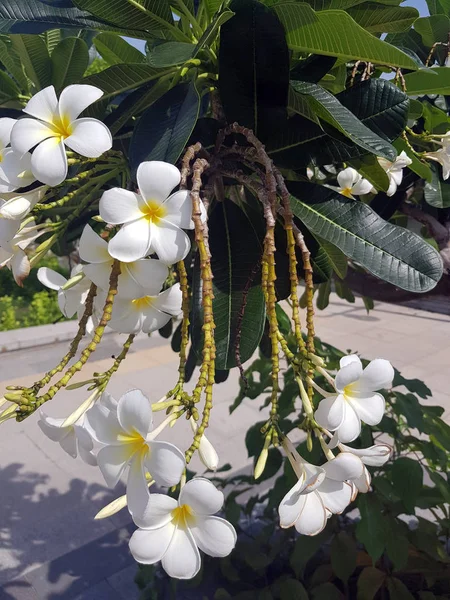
x,y
261,463
79,412
316,360
14,397
206,450
309,442
70,283
75,386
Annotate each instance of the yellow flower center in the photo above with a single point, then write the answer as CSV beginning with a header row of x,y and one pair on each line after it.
x,y
349,390
62,126
183,516
142,303
347,192
153,211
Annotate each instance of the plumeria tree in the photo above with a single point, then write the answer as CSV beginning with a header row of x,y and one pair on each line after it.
x,y
259,152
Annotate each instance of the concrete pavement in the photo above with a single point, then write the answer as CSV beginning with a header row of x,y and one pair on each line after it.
x,y
50,546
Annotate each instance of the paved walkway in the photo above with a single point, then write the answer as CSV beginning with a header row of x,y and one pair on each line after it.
x,y
50,546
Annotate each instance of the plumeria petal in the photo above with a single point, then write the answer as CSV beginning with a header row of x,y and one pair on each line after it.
x,y
350,427
170,300
90,137
344,466
313,517
363,482
93,248
26,133
179,209
350,358
76,98
138,494
43,105
50,426
125,318
374,456
202,496
170,243
165,463
182,558
112,461
6,125
370,409
99,273
153,319
335,495
292,505
157,513
156,180
214,536
378,374
8,229
347,375
134,413
17,206
362,187
330,412
15,169
132,241
49,162
148,274
20,266
68,442
50,278
149,546
347,177
103,424
119,206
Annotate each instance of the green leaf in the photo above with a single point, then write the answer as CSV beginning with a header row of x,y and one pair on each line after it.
x,y
433,29
370,531
326,591
327,107
438,7
35,58
52,39
238,298
409,42
369,582
397,544
408,406
378,104
288,589
12,63
398,590
8,89
307,31
304,549
407,479
431,81
370,168
70,59
164,128
323,297
336,258
417,166
170,53
254,68
437,191
387,251
343,556
298,103
145,15
384,19
212,6
115,50
212,30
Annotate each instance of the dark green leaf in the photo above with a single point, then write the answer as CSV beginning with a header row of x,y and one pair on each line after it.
x,y
326,591
170,53
407,478
238,298
398,590
11,61
254,439
411,43
370,531
397,545
323,297
70,59
289,589
298,104
437,191
304,549
35,58
384,19
284,322
121,78
165,127
431,81
336,258
115,50
212,30
369,582
307,31
408,406
433,29
343,555
254,68
387,251
8,89
327,107
313,68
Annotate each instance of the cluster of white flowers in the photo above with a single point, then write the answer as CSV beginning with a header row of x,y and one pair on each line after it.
x,y
442,156
323,491
119,436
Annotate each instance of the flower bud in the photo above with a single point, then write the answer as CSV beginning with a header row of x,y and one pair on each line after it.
x,y
261,463
206,450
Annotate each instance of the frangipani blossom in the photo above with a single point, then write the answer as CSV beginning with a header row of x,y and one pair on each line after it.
x,y
127,439
153,220
12,252
356,399
136,279
375,456
319,492
17,206
351,183
394,170
147,313
173,532
73,439
15,168
72,300
441,156
55,126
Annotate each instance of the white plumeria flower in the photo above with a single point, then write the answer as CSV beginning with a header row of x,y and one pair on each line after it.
x,y
12,252
356,399
15,168
351,183
319,492
153,220
173,532
72,300
18,206
441,156
206,450
147,313
136,279
126,434
55,126
394,170
73,438
375,456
